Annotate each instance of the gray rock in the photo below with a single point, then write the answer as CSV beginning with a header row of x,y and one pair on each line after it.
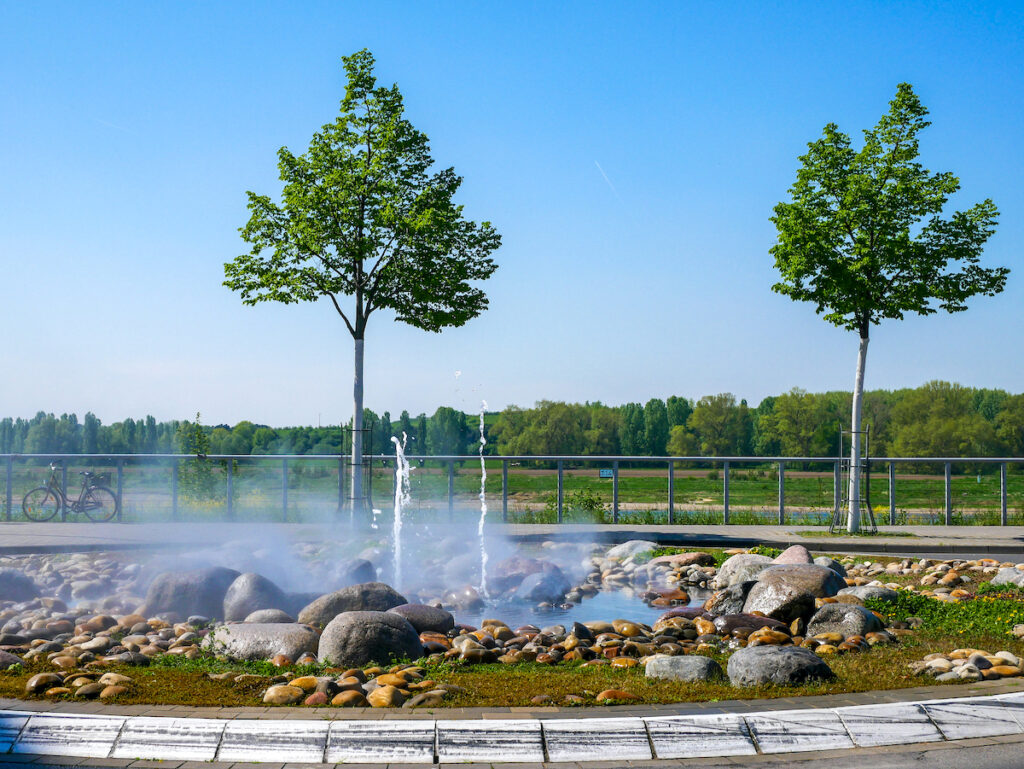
x,y
843,618
355,572
269,616
1009,576
7,659
200,591
779,665
357,637
741,568
689,668
794,554
831,563
779,601
506,575
864,592
16,586
632,547
730,622
819,581
729,600
262,641
368,596
549,585
251,592
425,618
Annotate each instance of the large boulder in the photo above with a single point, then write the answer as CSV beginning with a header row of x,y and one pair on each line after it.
x,y
549,585
251,592
730,622
368,596
16,586
506,575
794,554
729,600
355,638
354,572
262,641
631,548
779,601
1009,576
874,592
845,619
271,616
819,581
779,665
831,563
690,668
200,591
740,568
425,619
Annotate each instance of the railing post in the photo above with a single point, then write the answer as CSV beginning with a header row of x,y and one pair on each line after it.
x,y
725,493
504,490
284,490
782,493
837,488
451,490
341,483
949,493
174,490
8,491
230,491
1003,494
892,493
120,490
671,493
64,490
561,490
615,491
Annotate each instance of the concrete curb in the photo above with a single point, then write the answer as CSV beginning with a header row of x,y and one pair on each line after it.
x,y
108,740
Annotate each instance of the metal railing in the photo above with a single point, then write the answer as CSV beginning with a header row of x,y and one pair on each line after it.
x,y
229,462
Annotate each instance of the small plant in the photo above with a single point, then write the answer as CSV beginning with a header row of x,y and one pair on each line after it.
x,y
714,475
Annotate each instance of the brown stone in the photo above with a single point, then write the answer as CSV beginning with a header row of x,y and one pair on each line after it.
x,y
610,695
57,691
112,691
306,683
350,699
41,682
392,679
386,697
316,698
624,662
283,694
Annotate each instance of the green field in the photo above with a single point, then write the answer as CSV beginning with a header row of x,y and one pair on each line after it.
x,y
258,493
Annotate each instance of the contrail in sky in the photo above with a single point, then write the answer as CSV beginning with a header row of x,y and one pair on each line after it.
x,y
609,181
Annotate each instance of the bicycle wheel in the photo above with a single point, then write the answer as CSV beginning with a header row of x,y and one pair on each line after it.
x,y
40,504
100,504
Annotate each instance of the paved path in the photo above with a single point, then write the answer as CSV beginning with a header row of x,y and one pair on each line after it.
x,y
108,737
1001,541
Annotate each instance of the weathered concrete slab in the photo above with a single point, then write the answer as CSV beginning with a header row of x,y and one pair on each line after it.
x,y
53,735
967,718
489,740
874,725
699,736
380,742
795,731
182,739
286,741
596,739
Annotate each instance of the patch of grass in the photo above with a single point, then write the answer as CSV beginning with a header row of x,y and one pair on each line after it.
x,y
994,617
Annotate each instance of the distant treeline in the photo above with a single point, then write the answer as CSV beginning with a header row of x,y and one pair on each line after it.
x,y
936,419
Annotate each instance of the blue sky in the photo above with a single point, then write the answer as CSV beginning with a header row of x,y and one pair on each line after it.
x,y
129,134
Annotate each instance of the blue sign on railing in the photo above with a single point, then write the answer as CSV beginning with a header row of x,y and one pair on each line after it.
x,y
605,472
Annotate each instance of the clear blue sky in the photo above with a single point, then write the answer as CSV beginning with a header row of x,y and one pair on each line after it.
x,y
129,134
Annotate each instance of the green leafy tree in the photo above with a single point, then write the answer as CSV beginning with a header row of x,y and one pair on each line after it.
x,y
449,432
195,476
679,410
631,430
863,239
656,427
363,216
720,425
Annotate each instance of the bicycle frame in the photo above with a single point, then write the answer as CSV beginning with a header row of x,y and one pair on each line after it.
x,y
67,503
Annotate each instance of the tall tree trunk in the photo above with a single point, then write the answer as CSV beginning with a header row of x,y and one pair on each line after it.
x,y
358,499
853,521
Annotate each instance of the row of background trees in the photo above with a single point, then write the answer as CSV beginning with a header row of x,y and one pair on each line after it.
x,y
936,419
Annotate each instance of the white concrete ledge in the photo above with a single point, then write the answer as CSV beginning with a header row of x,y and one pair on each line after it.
x,y
509,740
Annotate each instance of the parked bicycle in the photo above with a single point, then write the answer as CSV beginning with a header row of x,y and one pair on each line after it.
x,y
95,499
